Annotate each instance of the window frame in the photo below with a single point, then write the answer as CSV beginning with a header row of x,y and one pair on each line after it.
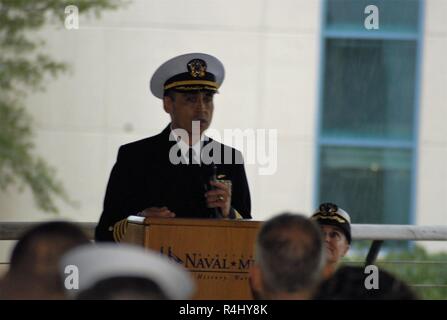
x,y
413,144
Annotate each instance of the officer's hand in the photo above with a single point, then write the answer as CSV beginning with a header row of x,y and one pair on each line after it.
x,y
157,212
220,197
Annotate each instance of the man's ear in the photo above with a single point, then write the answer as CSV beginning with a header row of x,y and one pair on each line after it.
x,y
167,104
255,280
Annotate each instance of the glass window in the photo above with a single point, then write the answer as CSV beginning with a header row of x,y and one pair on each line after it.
x,y
369,88
372,184
367,133
394,15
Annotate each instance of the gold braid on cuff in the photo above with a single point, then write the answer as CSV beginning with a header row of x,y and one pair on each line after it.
x,y
119,230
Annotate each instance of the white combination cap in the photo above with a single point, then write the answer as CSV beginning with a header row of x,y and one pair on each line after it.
x,y
188,72
96,262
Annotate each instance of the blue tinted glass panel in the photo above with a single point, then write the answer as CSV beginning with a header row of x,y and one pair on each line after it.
x,y
369,89
394,15
372,184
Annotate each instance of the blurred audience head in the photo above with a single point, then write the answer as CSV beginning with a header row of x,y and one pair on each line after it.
x,y
289,257
352,283
335,224
33,271
109,271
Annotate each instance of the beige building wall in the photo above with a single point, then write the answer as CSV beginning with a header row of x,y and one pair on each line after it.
x,y
432,167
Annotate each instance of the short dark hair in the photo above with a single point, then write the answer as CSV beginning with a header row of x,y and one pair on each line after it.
x,y
60,236
290,253
34,264
123,288
170,93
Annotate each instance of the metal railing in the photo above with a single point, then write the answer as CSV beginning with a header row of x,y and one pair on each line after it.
x,y
398,232
379,233
14,230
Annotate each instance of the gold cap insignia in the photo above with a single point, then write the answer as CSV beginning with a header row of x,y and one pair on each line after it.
x,y
329,211
197,68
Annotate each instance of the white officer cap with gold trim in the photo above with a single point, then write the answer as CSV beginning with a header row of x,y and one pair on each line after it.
x,y
96,262
192,71
330,214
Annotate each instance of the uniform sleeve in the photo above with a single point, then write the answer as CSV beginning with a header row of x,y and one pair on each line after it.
x,y
117,201
240,199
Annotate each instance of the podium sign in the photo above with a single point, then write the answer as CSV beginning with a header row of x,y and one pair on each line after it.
x,y
218,253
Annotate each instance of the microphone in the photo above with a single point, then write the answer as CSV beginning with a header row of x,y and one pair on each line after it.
x,y
217,212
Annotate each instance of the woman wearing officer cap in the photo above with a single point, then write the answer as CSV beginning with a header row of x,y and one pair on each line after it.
x,y
335,225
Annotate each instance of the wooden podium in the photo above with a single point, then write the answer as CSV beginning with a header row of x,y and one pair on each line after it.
x,y
218,253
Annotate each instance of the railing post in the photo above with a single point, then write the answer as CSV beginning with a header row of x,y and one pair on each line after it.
x,y
373,252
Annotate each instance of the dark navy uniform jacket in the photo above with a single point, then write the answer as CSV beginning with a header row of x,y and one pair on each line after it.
x,y
143,176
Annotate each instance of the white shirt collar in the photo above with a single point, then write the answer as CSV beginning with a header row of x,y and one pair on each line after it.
x,y
184,147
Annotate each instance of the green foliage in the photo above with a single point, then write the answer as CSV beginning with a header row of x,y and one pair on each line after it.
x,y
427,275
23,68
425,272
